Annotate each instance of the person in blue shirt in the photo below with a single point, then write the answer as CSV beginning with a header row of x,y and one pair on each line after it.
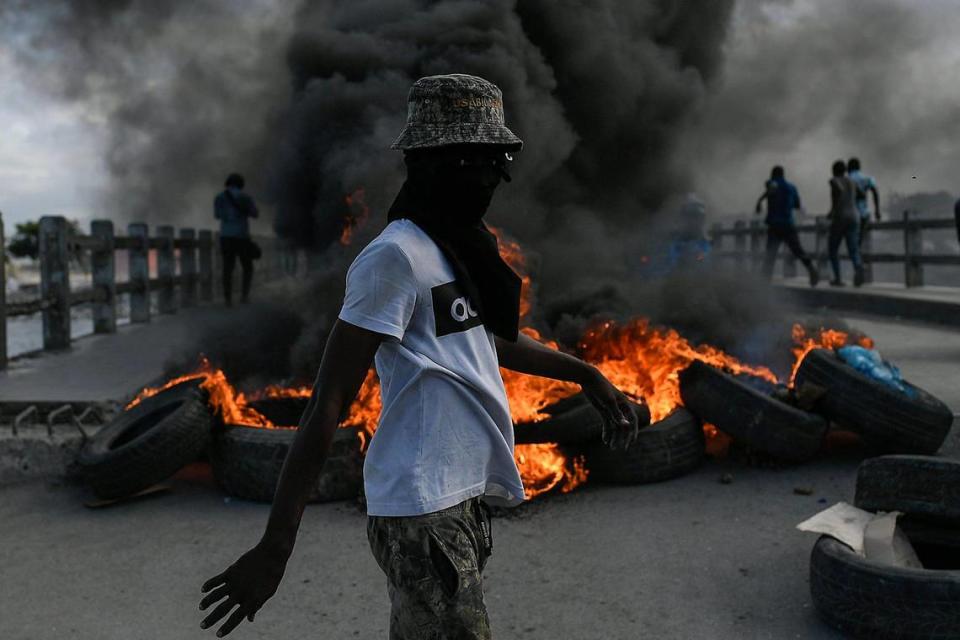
x,y
864,184
233,208
782,199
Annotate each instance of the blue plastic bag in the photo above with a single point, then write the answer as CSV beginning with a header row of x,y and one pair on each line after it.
x,y
869,362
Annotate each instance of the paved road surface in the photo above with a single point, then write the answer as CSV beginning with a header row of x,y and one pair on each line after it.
x,y
691,558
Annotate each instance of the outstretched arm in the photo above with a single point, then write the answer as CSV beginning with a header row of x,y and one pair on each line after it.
x,y
526,355
255,576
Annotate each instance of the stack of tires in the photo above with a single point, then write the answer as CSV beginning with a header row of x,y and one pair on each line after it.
x,y
150,442
888,420
665,449
867,599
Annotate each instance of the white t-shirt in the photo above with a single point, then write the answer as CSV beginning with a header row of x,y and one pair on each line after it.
x,y
445,433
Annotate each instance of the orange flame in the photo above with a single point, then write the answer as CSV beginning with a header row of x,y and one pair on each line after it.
x,y
512,254
822,339
645,362
544,468
356,216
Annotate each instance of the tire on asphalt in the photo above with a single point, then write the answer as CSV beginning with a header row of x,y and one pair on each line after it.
x,y
889,420
916,485
750,416
573,420
666,449
247,460
147,443
867,599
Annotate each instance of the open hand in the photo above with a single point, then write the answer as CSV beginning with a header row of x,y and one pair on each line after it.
x,y
620,425
248,582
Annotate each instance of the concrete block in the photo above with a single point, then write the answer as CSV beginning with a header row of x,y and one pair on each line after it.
x,y
33,453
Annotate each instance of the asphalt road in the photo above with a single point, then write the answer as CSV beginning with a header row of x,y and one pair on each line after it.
x,y
690,558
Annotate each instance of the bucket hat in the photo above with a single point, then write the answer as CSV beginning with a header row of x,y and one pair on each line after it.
x,y
454,109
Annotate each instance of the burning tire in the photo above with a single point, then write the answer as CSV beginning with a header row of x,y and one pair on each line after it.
x,y
247,460
573,420
751,416
666,449
868,599
915,485
888,419
148,443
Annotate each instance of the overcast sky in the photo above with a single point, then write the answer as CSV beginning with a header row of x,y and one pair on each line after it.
x,y
805,82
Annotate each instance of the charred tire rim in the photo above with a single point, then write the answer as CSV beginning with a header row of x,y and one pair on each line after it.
x,y
576,421
916,485
887,419
749,416
247,462
867,599
666,449
148,443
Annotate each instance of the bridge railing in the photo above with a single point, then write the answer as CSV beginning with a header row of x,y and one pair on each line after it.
x,y
749,245
186,263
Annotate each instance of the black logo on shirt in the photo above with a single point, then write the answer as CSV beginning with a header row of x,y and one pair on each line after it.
x,y
452,310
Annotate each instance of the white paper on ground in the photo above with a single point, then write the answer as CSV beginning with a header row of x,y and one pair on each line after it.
x,y
842,521
885,542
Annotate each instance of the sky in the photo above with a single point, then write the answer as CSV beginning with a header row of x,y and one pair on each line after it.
x,y
804,82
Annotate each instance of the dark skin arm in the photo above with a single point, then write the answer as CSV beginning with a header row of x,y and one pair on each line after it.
x,y
526,355
759,208
256,575
876,201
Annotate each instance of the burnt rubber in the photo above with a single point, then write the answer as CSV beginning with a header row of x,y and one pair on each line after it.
x,y
916,485
148,443
889,420
573,421
750,416
866,599
666,449
247,462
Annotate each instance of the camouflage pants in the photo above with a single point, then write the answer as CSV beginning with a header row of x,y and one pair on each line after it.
x,y
433,565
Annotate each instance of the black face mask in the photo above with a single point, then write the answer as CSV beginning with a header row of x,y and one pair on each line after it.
x,y
446,194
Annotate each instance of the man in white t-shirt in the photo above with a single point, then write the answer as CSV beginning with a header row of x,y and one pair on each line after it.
x,y
432,301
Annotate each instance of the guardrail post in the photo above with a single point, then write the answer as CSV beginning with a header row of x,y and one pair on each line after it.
x,y
217,266
206,265
740,242
756,237
3,297
104,278
820,244
166,270
188,268
55,282
866,248
912,248
140,273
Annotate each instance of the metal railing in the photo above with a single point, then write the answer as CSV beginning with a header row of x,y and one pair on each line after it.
x,y
749,245
187,273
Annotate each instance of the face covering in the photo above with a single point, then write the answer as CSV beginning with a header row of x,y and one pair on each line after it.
x,y
447,193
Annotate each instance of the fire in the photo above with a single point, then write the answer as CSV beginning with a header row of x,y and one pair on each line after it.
x,y
543,467
356,216
822,339
512,254
645,361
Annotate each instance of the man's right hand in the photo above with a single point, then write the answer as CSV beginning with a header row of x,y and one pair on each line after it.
x,y
249,582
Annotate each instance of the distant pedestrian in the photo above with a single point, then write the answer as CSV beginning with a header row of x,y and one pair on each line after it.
x,y
232,207
866,184
782,200
844,223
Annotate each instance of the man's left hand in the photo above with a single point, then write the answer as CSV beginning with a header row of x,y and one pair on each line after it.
x,y
620,426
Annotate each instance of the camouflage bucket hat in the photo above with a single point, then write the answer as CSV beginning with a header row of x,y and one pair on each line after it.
x,y
454,109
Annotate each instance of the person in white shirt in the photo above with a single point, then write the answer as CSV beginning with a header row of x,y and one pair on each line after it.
x,y
432,301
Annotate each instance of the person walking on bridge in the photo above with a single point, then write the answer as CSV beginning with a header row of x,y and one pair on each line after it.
x,y
865,184
233,208
844,223
431,300
782,200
